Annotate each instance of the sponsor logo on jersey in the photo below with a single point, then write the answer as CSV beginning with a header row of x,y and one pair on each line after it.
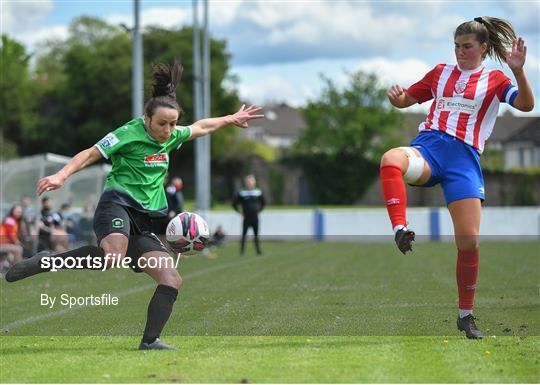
x,y
458,104
460,86
157,160
109,140
481,190
440,104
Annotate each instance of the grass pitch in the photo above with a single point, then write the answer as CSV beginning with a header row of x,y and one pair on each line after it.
x,y
304,312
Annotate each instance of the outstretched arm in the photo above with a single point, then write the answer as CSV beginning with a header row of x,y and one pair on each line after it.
x,y
236,202
78,162
515,59
263,203
240,119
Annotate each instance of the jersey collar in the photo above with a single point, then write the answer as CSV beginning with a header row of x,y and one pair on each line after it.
x,y
479,68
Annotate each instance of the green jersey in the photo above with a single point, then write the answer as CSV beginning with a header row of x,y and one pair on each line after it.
x,y
139,163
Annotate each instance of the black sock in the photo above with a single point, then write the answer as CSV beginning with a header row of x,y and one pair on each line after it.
x,y
76,259
159,310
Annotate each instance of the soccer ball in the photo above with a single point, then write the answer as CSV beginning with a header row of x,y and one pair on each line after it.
x,y
187,232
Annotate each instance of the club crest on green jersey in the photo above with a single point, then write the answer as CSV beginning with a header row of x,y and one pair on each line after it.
x,y
118,223
157,160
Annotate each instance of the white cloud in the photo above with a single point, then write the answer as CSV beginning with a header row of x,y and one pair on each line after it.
x,y
34,37
322,23
524,15
166,17
403,72
280,47
296,83
532,66
224,12
23,16
275,89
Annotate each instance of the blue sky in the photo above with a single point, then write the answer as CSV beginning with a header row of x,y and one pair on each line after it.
x,y
279,48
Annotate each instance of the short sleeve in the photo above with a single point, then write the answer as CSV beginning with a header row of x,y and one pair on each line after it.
x,y
183,133
113,141
506,91
422,90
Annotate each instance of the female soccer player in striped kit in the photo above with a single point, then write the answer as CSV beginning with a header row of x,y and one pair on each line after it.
x,y
466,99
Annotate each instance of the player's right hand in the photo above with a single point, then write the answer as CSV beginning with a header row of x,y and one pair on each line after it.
x,y
49,183
395,92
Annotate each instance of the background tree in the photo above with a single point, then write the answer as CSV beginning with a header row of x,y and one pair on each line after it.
x,y
17,97
347,131
84,84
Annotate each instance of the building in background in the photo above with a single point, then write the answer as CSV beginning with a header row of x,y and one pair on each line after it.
x,y
521,149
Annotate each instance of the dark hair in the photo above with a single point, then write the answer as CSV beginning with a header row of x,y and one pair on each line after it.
x,y
10,212
164,81
45,199
497,33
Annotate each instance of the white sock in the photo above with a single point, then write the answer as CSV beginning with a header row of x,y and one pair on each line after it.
x,y
464,313
399,227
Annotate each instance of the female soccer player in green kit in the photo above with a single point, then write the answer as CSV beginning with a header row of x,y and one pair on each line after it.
x,y
134,194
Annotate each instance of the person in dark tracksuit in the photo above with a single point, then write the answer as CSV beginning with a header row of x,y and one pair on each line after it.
x,y
251,201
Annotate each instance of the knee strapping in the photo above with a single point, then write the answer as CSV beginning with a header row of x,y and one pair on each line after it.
x,y
416,165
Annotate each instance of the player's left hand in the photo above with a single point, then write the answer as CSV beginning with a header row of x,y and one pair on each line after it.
x,y
244,115
516,58
49,183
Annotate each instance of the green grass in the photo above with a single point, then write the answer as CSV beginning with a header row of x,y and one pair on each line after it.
x,y
271,359
305,312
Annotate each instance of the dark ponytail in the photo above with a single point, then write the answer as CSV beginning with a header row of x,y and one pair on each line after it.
x,y
165,79
497,33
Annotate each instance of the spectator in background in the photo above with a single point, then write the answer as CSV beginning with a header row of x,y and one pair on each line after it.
x,y
249,202
175,196
86,225
175,203
59,237
45,224
52,235
27,229
9,234
70,221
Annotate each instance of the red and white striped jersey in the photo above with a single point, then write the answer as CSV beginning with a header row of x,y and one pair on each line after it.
x,y
465,102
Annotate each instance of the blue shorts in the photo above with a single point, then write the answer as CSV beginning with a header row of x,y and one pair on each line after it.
x,y
453,163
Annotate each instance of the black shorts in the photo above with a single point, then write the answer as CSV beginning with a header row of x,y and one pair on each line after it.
x,y
159,225
111,217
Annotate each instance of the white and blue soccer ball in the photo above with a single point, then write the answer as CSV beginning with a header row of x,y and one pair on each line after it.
x,y
187,232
